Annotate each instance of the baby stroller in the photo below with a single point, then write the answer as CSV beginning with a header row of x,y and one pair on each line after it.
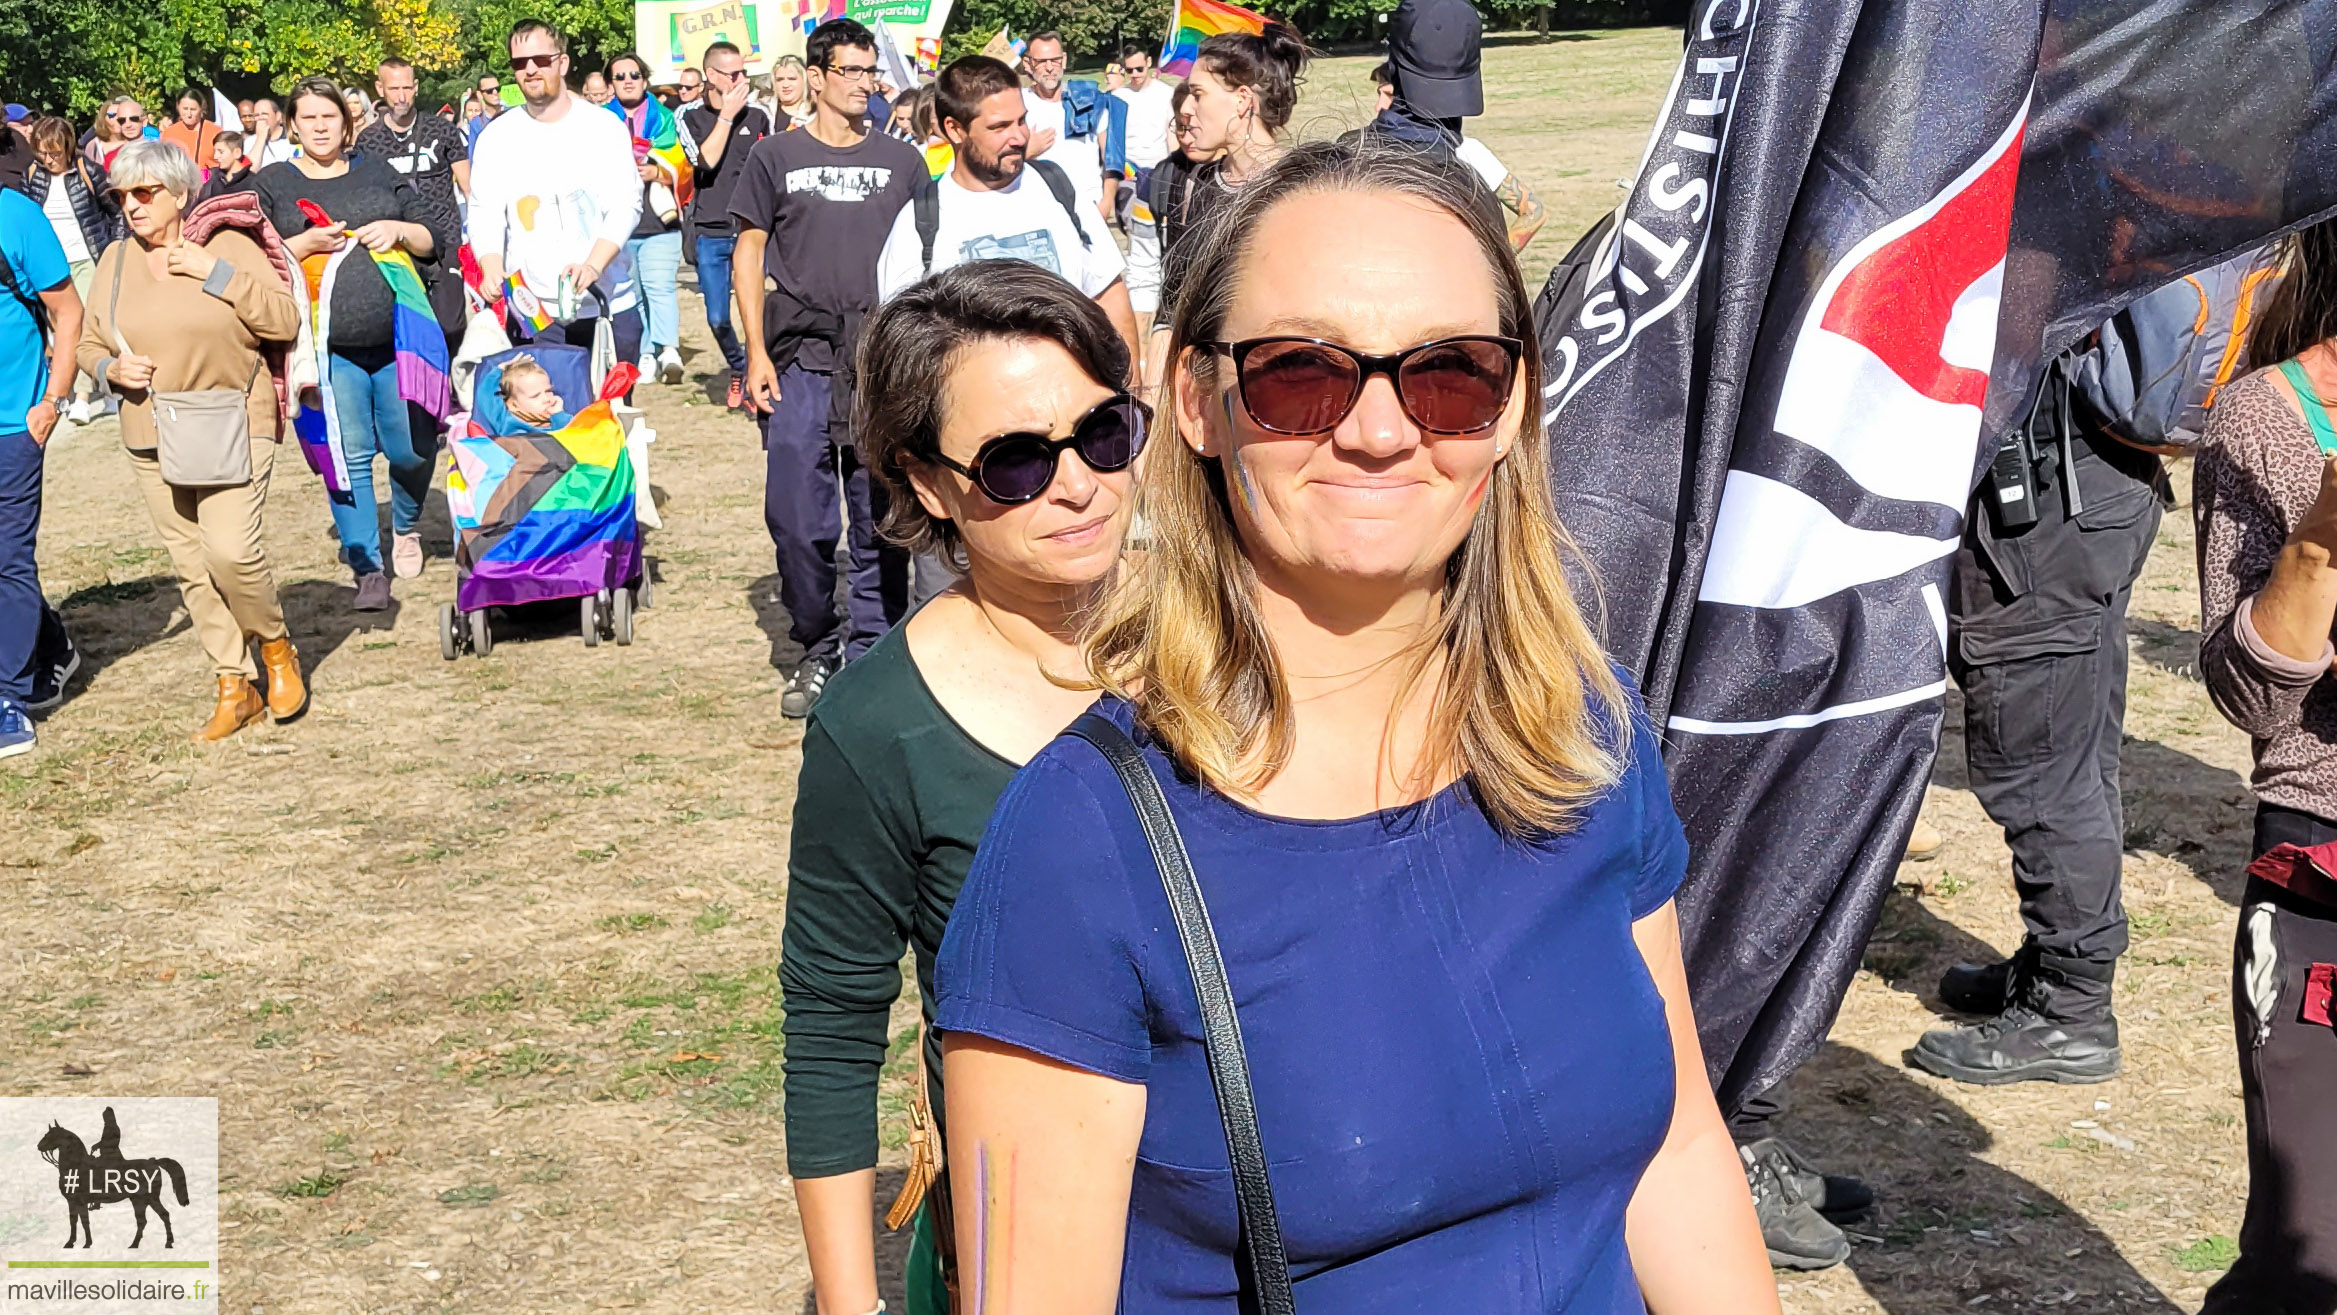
x,y
545,514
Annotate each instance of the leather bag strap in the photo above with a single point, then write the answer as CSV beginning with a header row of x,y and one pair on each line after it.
x,y
1259,1260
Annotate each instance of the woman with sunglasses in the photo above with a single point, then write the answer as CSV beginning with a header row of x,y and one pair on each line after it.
x,y
992,414
656,244
371,208
1428,818
168,315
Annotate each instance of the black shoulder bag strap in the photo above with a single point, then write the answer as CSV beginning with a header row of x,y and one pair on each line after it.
x,y
1059,183
1259,1262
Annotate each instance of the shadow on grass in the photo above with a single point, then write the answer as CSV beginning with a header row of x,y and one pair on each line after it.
x,y
109,622
892,1249
1949,1228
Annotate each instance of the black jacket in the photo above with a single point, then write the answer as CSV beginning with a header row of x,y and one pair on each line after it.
x,y
99,215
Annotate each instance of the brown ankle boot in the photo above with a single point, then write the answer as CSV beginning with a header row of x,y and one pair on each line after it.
x,y
287,692
239,706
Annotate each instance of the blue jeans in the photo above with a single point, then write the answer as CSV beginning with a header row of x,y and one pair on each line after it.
x,y
657,262
375,422
714,254
30,632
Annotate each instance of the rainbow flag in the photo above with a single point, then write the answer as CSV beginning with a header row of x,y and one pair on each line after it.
x,y
1196,21
422,359
543,515
525,303
657,133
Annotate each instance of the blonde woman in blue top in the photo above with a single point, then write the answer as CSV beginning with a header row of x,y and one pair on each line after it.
x,y
1430,821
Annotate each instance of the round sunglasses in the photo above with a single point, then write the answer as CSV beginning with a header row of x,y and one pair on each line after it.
x,y
1016,468
1294,385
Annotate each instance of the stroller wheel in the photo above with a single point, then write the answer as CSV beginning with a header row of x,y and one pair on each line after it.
x,y
482,638
621,616
449,644
589,620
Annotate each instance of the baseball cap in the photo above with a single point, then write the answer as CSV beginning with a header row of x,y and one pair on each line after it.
x,y
1433,46
16,111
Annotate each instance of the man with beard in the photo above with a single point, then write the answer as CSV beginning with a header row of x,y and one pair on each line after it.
x,y
990,206
809,217
1069,125
554,195
717,134
427,149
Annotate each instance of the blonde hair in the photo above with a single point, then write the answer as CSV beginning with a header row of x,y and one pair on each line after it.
x,y
1528,705
517,368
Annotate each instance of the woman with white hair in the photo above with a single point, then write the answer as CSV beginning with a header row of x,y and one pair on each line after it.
x,y
167,315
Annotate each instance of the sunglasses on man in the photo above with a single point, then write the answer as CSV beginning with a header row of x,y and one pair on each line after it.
x,y
522,63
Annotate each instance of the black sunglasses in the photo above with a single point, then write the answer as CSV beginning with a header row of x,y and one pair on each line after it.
x,y
1013,469
519,62
1294,385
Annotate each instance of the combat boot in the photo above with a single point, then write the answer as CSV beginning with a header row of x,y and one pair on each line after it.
x,y
2058,1028
1985,988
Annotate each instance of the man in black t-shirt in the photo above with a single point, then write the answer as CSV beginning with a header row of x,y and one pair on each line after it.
x,y
428,150
717,133
810,215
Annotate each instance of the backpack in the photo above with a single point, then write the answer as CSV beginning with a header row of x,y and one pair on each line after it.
x,y
926,203
2154,369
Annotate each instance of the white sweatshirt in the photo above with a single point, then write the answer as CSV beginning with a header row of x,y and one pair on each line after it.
x,y
543,192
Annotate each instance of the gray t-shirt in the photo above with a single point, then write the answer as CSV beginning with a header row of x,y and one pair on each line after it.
x,y
827,211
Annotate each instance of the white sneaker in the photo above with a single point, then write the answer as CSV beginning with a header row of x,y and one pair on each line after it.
x,y
669,366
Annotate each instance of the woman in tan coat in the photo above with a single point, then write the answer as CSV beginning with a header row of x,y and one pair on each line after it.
x,y
167,315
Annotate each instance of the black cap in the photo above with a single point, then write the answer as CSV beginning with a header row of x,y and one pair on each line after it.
x,y
1433,46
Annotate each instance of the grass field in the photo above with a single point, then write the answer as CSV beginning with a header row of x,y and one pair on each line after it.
x,y
477,958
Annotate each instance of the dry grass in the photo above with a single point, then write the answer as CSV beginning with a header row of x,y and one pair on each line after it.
x,y
478,957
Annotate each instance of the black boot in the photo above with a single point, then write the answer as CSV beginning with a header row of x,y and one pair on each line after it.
x,y
2058,1028
1985,988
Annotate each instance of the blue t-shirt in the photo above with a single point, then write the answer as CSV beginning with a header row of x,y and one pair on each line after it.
x,y
36,261
1462,1066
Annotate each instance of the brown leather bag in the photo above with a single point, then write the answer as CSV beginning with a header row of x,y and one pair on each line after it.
x,y
928,1182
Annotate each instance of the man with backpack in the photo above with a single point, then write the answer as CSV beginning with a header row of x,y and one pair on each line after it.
x,y
809,216
996,203
2054,539
40,320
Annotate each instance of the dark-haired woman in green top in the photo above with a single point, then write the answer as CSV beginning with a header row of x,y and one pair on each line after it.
x,y
992,412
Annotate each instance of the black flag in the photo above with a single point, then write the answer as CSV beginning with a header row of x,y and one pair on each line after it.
x,y
1858,231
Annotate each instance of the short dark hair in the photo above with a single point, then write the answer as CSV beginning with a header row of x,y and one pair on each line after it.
x,y
911,344
1383,74
715,48
968,81
528,27
391,63
1049,35
620,57
824,39
229,139
1133,51
195,94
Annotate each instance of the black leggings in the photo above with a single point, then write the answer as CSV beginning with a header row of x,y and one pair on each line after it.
x,y
2288,1243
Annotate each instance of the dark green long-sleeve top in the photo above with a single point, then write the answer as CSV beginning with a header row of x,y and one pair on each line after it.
x,y
891,802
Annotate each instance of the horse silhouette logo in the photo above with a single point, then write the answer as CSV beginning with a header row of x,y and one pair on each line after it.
x,y
88,1181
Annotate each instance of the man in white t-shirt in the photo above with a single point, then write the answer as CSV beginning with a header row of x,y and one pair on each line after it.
x,y
1065,118
996,204
554,196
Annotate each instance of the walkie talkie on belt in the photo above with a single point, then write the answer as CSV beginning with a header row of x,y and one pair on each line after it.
x,y
2025,461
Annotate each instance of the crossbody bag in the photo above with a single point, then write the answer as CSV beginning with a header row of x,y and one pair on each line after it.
x,y
202,436
1260,1264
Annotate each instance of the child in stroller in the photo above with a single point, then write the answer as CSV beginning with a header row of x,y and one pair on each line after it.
x,y
542,499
